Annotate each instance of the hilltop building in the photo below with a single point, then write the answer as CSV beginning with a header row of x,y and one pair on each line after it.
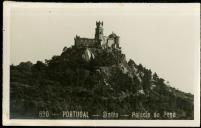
x,y
99,41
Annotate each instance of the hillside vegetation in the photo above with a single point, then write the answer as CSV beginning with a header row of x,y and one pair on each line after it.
x,y
94,80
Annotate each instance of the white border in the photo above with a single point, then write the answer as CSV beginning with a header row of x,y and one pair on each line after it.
x,y
6,77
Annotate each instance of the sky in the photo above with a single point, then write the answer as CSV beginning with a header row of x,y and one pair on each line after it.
x,y
162,37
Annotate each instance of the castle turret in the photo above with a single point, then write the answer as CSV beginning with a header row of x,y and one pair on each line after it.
x,y
99,31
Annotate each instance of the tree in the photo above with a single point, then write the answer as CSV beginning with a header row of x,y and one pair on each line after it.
x,y
140,67
155,76
40,66
131,63
147,80
25,66
65,49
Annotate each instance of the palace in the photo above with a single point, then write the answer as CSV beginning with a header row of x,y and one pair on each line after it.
x,y
99,41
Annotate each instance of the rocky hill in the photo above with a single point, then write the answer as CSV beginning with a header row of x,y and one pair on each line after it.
x,y
93,80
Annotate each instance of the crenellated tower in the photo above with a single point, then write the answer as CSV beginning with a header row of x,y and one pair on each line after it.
x,y
99,31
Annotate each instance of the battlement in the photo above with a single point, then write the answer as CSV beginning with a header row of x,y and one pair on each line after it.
x,y
99,24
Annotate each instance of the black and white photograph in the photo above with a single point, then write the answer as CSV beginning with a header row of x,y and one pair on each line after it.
x,y
101,64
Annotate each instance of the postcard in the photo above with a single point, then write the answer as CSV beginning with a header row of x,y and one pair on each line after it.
x,y
101,64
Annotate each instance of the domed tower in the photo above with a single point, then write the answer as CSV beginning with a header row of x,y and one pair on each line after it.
x,y
113,41
99,31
